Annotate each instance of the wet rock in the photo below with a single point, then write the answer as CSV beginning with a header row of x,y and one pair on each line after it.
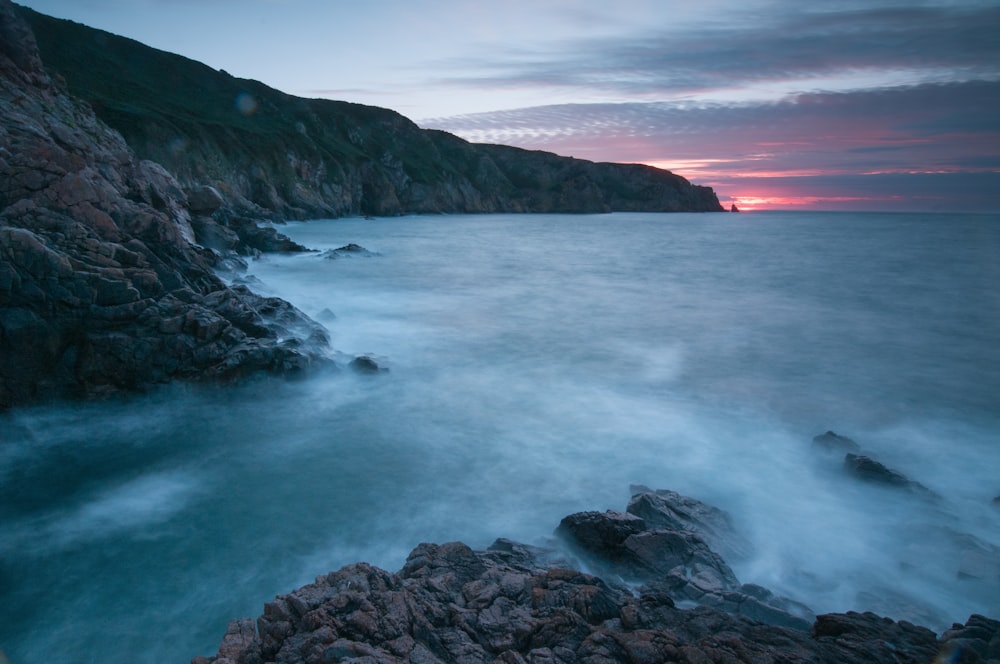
x,y
364,364
869,470
978,640
832,442
348,251
452,604
102,287
671,510
881,639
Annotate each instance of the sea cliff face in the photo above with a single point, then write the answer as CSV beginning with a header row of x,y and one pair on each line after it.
x,y
101,286
274,155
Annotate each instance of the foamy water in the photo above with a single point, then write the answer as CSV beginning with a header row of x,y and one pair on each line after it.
x,y
538,365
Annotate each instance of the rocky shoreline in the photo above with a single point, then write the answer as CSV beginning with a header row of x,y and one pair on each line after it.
x,y
111,239
655,590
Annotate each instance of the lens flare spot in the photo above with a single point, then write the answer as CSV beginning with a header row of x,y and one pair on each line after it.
x,y
246,104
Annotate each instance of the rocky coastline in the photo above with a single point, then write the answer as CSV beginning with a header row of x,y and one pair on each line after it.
x,y
104,287
129,177
654,590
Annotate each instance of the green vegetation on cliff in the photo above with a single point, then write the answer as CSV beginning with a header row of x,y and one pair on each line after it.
x,y
273,154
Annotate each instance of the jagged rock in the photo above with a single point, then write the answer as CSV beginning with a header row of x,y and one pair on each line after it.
x,y
452,604
870,470
669,509
880,639
978,640
101,287
348,251
622,544
832,442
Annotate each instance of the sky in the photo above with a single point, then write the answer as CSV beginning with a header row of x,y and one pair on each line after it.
x,y
776,104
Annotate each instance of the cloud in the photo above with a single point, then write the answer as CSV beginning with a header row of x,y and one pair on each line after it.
x,y
848,47
942,133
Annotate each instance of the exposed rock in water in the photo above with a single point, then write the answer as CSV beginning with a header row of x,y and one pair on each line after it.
x,y
348,251
295,158
832,442
102,288
870,470
363,364
515,604
669,509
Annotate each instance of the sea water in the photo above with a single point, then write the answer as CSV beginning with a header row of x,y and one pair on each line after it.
x,y
538,365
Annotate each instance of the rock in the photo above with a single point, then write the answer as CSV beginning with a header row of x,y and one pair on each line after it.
x,y
867,469
204,200
601,534
832,442
348,251
365,365
452,604
978,640
670,510
102,289
880,639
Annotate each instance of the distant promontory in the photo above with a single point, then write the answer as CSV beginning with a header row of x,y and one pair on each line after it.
x,y
274,154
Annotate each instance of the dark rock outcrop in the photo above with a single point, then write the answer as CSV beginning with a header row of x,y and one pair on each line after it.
x,y
348,251
271,155
516,604
670,510
832,442
364,364
869,470
101,286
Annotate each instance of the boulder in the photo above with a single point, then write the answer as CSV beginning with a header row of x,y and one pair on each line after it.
x,y
204,200
364,364
671,510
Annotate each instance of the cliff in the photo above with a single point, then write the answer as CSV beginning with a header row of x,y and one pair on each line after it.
x,y
101,286
274,155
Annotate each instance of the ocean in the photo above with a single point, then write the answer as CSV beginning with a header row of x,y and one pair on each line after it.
x,y
536,366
